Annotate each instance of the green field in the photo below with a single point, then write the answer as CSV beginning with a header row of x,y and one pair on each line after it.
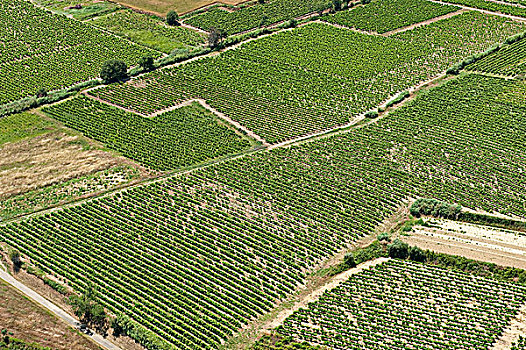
x,y
255,15
399,303
52,51
175,139
20,126
303,203
149,31
393,14
298,82
510,60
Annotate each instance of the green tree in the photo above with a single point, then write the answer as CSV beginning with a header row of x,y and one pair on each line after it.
x,y
146,63
337,5
113,70
215,37
417,254
348,260
172,18
88,310
398,249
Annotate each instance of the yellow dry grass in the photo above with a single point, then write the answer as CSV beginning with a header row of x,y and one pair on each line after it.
x,y
161,7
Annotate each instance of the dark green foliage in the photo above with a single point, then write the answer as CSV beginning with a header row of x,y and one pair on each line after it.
x,y
88,310
371,114
402,96
398,249
436,208
41,93
146,63
216,37
336,5
416,254
348,260
172,18
113,70
384,237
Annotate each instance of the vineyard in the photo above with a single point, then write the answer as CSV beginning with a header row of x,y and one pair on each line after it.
x,y
394,14
208,225
399,303
149,31
510,60
50,47
174,139
254,16
244,84
494,6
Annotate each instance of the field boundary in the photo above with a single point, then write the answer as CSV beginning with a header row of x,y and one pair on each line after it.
x,y
516,18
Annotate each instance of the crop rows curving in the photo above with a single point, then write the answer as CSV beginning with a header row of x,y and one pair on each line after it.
x,y
196,256
174,139
382,16
510,60
149,31
312,78
254,16
38,48
398,303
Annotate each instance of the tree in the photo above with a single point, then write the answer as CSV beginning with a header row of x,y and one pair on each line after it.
x,y
146,63
383,237
349,260
172,18
337,5
88,310
261,1
42,92
113,70
398,249
215,37
14,256
417,254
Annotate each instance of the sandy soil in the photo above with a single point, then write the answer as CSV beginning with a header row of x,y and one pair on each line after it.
x,y
511,334
499,246
161,7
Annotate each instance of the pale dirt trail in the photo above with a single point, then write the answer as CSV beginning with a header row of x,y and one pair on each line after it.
x,y
511,334
424,23
54,309
516,18
316,294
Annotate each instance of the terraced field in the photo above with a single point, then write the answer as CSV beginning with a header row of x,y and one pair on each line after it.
x,y
39,57
299,82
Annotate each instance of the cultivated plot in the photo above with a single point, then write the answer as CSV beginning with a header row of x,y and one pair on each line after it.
x,y
401,304
312,78
38,48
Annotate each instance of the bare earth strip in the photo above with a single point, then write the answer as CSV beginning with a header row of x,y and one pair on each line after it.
x,y
511,334
499,246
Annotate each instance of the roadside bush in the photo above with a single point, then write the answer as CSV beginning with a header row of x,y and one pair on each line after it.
x,y
398,249
113,70
172,18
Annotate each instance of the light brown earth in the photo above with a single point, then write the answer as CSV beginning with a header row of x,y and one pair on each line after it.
x,y
48,159
161,7
31,323
499,246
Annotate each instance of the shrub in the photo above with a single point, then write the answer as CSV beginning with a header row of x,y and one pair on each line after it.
x,y
371,114
146,63
416,254
348,260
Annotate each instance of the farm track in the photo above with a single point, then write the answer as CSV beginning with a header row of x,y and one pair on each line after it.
x,y
52,308
424,23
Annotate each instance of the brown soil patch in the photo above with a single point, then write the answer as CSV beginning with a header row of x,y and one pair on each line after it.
x,y
161,7
31,323
49,159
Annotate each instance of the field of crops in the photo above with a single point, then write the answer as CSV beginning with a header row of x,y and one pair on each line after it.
x,y
149,31
393,14
89,8
37,48
299,82
398,303
493,6
184,257
174,139
510,60
257,15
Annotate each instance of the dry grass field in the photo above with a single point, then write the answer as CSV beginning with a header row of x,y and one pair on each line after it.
x,y
161,7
